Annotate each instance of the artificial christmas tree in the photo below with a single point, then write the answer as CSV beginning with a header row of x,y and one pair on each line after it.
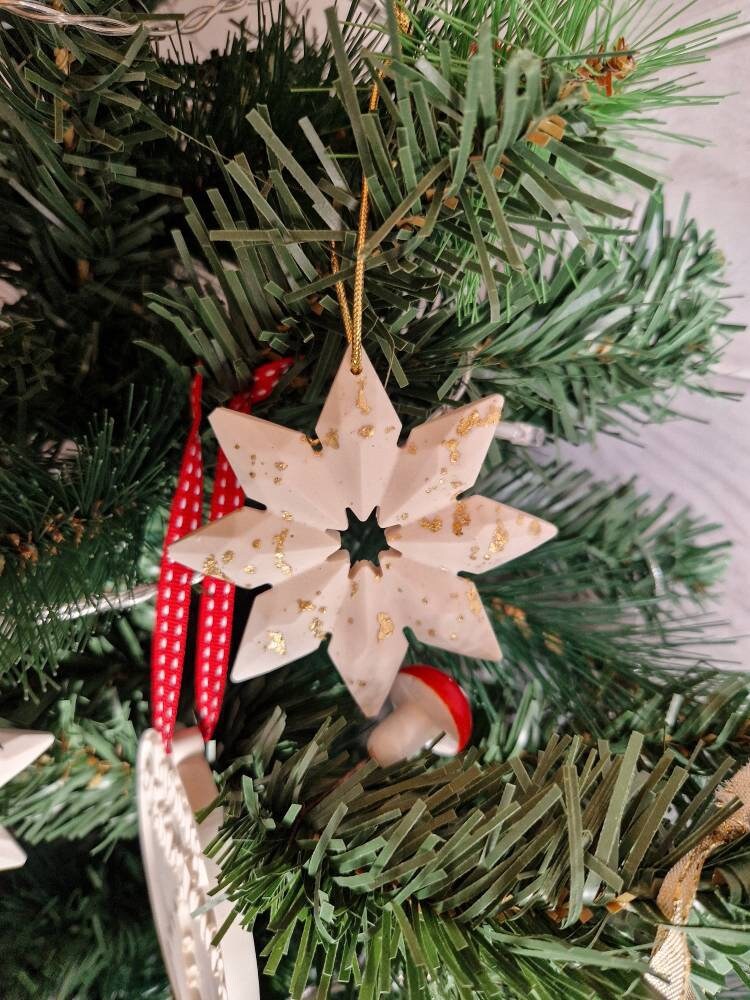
x,y
168,224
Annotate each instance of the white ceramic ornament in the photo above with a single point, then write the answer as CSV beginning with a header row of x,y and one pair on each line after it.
x,y
295,544
18,749
171,788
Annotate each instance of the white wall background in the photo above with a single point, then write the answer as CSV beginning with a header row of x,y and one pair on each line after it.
x,y
704,461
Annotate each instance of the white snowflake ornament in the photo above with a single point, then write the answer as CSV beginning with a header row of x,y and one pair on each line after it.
x,y
295,543
171,789
18,749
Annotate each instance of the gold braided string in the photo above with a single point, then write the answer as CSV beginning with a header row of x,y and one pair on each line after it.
x,y
352,320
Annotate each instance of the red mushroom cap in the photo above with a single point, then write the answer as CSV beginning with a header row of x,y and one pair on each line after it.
x,y
450,693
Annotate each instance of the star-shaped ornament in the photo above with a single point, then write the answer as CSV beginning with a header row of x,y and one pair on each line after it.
x,y
295,543
18,749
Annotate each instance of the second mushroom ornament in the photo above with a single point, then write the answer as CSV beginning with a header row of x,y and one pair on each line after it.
x,y
295,543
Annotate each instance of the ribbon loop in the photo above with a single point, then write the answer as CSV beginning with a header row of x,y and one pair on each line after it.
x,y
216,610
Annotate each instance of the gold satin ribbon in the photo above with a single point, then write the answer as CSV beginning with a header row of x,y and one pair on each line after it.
x,y
352,320
670,958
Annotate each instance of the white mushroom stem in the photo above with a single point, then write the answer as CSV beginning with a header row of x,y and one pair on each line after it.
x,y
402,734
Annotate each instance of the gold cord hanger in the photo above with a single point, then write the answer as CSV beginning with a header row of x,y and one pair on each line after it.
x,y
352,319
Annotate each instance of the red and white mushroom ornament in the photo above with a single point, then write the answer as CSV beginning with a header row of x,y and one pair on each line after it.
x,y
426,703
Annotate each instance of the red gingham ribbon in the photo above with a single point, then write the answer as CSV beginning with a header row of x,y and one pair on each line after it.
x,y
217,598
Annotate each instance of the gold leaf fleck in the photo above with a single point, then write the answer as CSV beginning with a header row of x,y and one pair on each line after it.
x,y
316,627
280,466
474,600
411,449
385,626
277,480
331,439
287,515
452,445
535,528
211,567
354,588
454,635
276,643
256,543
362,404
279,561
433,525
472,420
227,557
249,569
499,540
461,518
474,552
304,605
366,431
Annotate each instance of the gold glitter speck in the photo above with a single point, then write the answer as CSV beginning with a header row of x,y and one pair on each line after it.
x,y
354,588
474,552
385,626
249,569
227,557
276,480
304,605
276,643
433,525
432,633
287,515
366,431
411,449
256,543
535,528
280,466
